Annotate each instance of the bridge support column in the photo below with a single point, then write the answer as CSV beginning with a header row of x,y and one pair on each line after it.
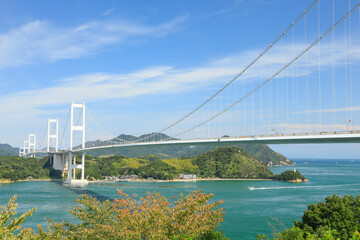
x,y
83,166
70,167
74,169
21,152
26,147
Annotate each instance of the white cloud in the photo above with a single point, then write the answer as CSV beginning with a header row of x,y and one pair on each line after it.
x,y
308,128
108,11
335,110
156,80
41,41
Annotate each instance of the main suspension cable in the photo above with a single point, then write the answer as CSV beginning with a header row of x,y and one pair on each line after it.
x,y
277,73
243,71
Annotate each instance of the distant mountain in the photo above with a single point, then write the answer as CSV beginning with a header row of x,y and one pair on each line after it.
x,y
7,150
260,152
151,137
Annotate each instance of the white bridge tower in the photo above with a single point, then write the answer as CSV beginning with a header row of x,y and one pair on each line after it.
x,y
53,134
72,166
32,145
21,151
26,148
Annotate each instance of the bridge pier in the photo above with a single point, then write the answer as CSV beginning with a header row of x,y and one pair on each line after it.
x,y
83,166
72,167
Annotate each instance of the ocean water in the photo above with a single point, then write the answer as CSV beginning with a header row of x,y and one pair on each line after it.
x,y
248,212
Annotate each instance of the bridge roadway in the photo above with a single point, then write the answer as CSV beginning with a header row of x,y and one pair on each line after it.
x,y
296,138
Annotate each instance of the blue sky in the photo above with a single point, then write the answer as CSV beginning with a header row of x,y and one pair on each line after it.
x,y
141,65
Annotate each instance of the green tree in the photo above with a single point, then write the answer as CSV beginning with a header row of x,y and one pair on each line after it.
x,y
341,214
153,217
10,226
336,218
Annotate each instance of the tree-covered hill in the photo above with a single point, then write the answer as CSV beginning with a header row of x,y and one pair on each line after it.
x,y
16,168
7,150
290,176
259,151
231,162
146,167
225,162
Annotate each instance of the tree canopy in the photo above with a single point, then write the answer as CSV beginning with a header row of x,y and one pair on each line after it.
x,y
150,217
336,218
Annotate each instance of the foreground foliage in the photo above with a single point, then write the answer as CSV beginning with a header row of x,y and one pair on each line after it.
x,y
9,224
153,217
336,218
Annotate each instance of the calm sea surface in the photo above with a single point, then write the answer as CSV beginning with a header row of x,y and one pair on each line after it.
x,y
247,211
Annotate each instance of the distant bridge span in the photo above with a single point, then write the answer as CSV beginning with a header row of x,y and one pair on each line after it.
x,y
321,137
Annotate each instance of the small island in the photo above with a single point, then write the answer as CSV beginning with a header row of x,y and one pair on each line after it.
x,y
290,176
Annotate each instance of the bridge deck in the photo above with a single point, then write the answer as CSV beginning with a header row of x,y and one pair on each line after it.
x,y
297,138
323,137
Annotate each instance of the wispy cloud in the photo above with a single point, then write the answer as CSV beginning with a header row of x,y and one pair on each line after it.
x,y
158,79
335,110
308,128
101,86
108,11
42,41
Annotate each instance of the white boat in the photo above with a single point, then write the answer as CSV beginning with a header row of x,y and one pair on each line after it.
x,y
251,188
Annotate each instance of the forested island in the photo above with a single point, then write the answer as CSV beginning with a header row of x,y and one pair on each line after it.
x,y
220,163
290,176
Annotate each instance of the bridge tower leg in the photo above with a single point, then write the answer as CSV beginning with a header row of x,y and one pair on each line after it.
x,y
72,167
83,166
52,134
21,152
26,147
32,144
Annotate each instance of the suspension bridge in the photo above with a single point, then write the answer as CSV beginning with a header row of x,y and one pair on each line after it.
x,y
299,89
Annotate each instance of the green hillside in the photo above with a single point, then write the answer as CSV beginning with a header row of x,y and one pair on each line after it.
x,y
224,162
16,168
7,150
259,151
231,162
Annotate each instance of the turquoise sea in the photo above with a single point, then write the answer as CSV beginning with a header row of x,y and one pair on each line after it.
x,y
248,212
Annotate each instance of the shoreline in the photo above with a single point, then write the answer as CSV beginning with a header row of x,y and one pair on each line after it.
x,y
30,180
159,180
139,180
181,180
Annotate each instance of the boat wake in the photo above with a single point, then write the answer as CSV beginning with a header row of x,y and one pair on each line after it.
x,y
308,186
